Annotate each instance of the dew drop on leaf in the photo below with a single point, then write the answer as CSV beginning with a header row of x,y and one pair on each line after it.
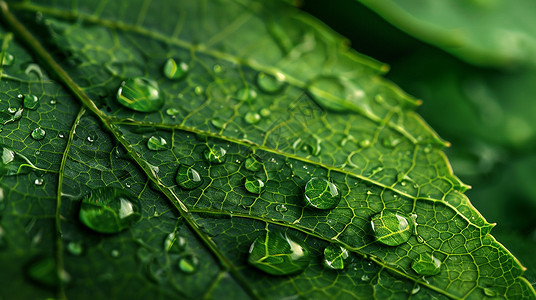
x,y
12,163
246,94
268,83
38,134
364,143
8,59
252,163
188,263
75,248
416,289
156,143
198,90
174,243
321,193
278,254
391,228
172,111
140,94
252,117
109,210
39,181
334,257
281,208
218,122
30,102
254,185
265,112
426,265
174,70
215,154
188,178
489,292
115,253
91,138
52,102
10,116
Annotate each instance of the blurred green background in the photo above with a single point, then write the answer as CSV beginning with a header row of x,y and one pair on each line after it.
x,y
482,100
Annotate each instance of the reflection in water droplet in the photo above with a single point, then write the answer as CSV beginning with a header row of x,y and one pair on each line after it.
x,y
172,70
281,208
391,228
174,243
254,185
321,193
334,257
140,94
188,178
426,265
156,143
215,154
253,163
75,248
38,134
109,210
270,84
188,263
31,102
252,117
39,181
7,59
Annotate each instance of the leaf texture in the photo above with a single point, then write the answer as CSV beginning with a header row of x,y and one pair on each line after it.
x,y
312,108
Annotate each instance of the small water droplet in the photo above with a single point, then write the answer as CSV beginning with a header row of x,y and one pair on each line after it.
x,y
281,208
156,143
61,135
254,185
188,263
91,138
31,102
252,117
489,292
278,254
109,210
416,289
270,84
334,257
174,243
253,163
215,154
391,228
198,90
391,142
364,143
7,59
218,122
428,148
174,70
188,178
217,69
39,181
321,193
128,185
38,134
426,265
365,278
172,111
246,94
140,94
75,248
52,102
115,253
265,112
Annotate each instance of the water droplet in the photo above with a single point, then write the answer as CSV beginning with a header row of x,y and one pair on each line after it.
x,y
44,272
172,111
34,68
156,143
391,228
218,122
172,70
254,185
38,134
265,112
277,254
246,94
140,94
253,163
115,253
334,257
426,265
31,102
91,138
109,210
489,292
215,154
8,59
270,84
365,143
321,193
281,208
252,117
75,248
198,90
391,142
217,69
39,181
416,289
188,178
365,278
428,148
12,163
174,243
61,135
52,102
188,263
11,116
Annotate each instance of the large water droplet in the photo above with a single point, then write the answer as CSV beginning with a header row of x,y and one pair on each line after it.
x,y
140,94
246,94
215,154
174,243
44,272
188,178
321,193
334,257
38,134
109,210
252,117
31,102
75,248
254,185
426,265
269,84
8,59
391,228
277,254
253,163
172,70
156,143
12,163
188,263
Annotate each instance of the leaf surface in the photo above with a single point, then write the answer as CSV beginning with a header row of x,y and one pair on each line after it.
x,y
317,109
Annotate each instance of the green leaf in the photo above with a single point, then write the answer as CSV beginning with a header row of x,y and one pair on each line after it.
x,y
493,33
324,112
